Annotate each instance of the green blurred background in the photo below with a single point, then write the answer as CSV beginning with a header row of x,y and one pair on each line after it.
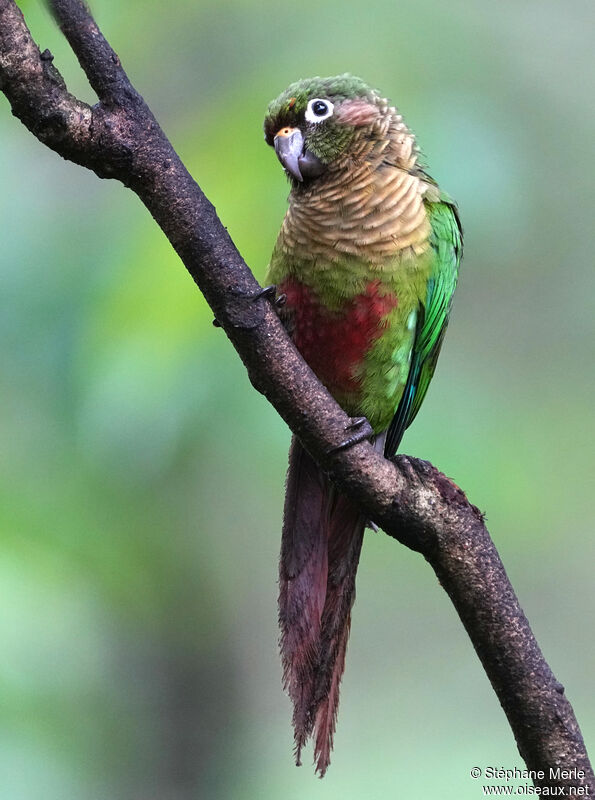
x,y
142,476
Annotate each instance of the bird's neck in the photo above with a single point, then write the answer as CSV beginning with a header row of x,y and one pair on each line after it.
x,y
368,205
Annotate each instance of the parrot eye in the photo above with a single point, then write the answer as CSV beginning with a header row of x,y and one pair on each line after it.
x,y
318,110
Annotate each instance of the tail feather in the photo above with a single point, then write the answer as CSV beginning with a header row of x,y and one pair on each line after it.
x,y
346,531
302,581
326,716
322,538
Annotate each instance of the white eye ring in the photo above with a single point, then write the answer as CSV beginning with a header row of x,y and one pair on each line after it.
x,y
315,113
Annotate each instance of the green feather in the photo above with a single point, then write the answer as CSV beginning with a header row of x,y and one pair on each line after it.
x,y
446,240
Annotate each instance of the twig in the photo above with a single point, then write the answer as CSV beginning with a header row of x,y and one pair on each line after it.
x,y
409,499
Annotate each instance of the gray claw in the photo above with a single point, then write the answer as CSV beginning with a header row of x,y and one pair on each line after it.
x,y
364,433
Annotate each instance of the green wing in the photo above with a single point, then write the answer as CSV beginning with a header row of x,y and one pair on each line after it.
x,y
446,240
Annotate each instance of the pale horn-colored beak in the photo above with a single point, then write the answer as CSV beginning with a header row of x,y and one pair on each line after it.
x,y
298,162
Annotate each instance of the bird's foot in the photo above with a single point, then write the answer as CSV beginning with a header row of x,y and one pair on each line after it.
x,y
269,292
364,432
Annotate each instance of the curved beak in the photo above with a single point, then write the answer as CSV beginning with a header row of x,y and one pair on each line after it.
x,y
297,161
289,143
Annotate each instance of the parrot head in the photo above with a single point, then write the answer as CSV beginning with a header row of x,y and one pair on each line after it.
x,y
314,123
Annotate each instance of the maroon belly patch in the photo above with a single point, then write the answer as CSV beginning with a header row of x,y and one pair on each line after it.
x,y
334,343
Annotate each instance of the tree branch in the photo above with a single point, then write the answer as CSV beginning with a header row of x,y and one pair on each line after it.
x,y
408,498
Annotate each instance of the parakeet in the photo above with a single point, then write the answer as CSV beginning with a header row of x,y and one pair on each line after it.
x,y
366,262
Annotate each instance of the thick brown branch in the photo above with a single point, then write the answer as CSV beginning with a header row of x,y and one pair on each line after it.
x,y
409,499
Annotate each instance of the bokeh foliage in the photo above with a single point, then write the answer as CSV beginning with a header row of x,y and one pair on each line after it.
x,y
141,475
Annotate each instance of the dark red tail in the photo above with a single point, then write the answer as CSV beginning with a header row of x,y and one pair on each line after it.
x,y
320,548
